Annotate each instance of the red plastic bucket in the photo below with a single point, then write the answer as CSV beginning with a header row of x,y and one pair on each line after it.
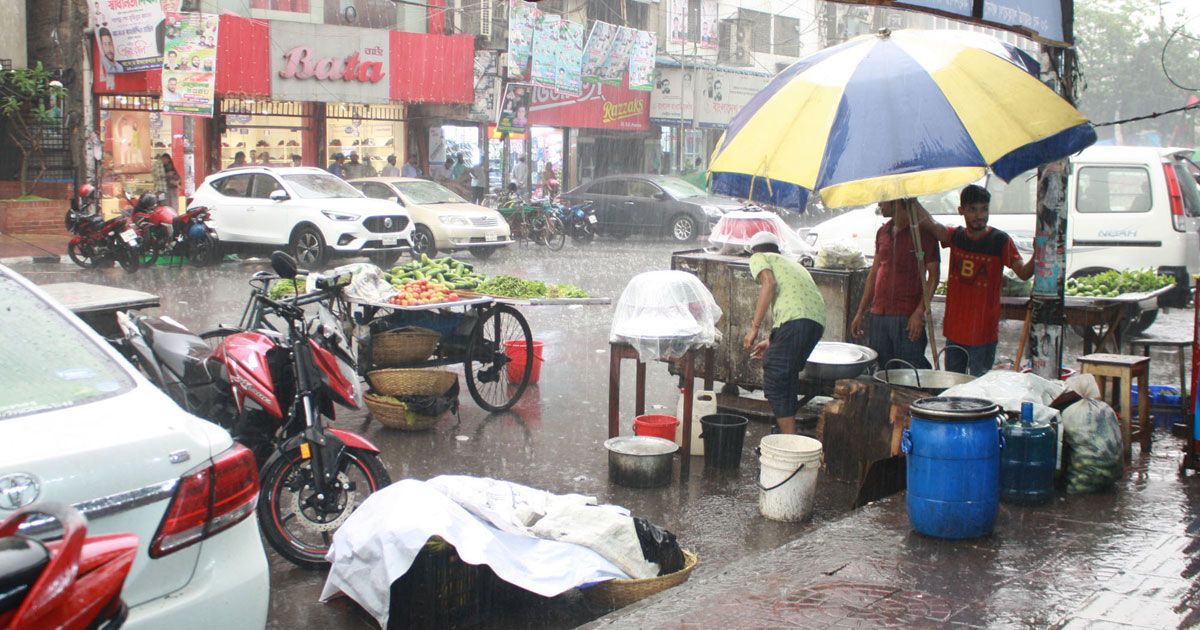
x,y
655,425
516,360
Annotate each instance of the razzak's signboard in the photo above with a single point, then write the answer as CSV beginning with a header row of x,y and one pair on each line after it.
x,y
311,62
720,95
1047,19
598,107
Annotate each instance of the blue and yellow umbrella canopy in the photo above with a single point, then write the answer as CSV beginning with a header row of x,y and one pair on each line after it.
x,y
893,115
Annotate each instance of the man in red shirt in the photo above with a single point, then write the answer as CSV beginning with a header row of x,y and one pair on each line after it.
x,y
978,255
896,327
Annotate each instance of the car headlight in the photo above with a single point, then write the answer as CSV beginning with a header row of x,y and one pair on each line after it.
x,y
339,216
712,211
453,219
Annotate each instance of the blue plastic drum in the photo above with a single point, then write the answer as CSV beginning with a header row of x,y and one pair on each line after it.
x,y
953,447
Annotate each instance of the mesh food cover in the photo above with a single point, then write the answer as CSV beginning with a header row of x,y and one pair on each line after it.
x,y
664,313
733,231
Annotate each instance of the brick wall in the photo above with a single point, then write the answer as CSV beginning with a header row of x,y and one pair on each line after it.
x,y
50,190
33,217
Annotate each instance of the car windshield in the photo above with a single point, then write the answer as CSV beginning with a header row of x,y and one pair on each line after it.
x,y
679,189
317,186
425,193
45,361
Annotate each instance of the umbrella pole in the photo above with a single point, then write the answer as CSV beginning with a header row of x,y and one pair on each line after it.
x,y
925,297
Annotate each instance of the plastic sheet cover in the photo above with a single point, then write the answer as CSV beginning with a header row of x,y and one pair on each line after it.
x,y
663,314
732,232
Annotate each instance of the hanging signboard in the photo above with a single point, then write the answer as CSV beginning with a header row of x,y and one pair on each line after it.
x,y
486,82
514,108
641,62
679,21
613,71
568,77
543,66
331,64
522,22
129,34
598,107
595,53
189,70
1043,17
720,95
674,97
709,19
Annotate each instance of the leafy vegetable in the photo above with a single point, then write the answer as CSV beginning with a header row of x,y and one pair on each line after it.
x,y
285,287
1114,283
513,287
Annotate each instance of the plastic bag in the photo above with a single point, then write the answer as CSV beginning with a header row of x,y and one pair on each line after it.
x,y
659,546
368,283
1009,389
733,231
841,255
663,314
1091,429
1084,385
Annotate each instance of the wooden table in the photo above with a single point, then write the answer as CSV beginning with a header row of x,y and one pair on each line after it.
x,y
619,351
97,305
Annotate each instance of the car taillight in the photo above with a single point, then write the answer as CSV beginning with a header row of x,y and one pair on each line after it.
x,y
208,500
1176,196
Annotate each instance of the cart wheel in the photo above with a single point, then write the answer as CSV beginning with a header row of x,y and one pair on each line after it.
x,y
486,365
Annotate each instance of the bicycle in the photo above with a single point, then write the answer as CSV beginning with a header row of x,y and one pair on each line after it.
x,y
534,221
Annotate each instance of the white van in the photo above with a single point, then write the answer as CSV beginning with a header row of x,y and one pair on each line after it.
x,y
1130,207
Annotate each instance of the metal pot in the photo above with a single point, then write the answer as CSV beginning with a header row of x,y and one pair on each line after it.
x,y
640,461
932,381
832,360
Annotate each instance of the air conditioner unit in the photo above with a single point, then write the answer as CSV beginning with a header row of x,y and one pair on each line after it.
x,y
734,43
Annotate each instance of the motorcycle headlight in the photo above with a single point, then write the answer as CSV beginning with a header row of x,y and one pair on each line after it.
x,y
339,216
453,219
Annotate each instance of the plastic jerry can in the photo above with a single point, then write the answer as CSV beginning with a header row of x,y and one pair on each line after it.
x,y
704,403
1027,462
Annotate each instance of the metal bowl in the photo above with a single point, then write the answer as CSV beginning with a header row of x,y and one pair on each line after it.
x,y
832,360
640,461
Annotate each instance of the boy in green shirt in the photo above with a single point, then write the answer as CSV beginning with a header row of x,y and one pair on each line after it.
x,y
798,314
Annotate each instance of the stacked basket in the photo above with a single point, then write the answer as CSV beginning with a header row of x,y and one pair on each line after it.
x,y
409,399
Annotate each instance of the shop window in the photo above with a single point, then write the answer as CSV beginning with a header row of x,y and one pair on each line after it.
x,y
787,36
608,188
264,185
374,132
643,190
234,185
268,132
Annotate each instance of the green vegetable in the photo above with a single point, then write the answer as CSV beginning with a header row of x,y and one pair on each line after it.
x,y
284,287
444,270
1114,283
513,287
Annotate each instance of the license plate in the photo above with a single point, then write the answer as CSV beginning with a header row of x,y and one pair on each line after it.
x,y
388,242
489,237
129,236
591,218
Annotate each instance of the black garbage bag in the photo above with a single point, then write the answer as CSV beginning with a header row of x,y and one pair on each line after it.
x,y
659,546
433,406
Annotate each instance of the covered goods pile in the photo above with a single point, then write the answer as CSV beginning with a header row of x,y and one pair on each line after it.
x,y
665,313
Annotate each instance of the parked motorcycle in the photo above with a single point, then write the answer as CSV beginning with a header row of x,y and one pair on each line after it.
x,y
272,390
579,221
194,238
166,233
98,241
70,583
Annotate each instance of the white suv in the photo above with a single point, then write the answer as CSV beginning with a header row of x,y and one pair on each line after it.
x,y
306,209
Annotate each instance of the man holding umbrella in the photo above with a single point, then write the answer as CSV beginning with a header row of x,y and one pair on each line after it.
x,y
893,292
978,255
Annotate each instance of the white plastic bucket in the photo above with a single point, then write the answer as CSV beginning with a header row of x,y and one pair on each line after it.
x,y
787,479
704,403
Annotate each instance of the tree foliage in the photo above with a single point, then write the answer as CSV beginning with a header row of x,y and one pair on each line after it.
x,y
1129,51
29,102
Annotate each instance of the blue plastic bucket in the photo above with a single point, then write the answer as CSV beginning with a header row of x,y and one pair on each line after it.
x,y
953,447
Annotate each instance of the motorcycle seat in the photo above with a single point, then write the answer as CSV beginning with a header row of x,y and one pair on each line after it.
x,y
181,351
22,560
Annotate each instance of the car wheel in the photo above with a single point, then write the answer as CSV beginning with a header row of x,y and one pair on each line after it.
x,y
308,247
683,228
483,253
422,242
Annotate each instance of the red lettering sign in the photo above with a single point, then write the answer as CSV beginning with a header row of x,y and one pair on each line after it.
x,y
303,64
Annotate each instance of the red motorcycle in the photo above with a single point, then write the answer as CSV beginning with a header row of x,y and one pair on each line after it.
x,y
71,583
272,391
166,233
98,241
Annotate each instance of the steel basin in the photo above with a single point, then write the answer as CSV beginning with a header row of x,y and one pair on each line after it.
x,y
832,360
640,461
932,381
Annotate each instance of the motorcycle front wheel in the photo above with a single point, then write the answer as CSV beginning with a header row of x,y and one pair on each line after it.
x,y
81,255
128,257
297,524
203,250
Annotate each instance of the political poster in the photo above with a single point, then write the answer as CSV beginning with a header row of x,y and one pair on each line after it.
x,y
189,66
613,70
709,20
543,66
641,62
522,23
679,21
129,34
569,78
514,108
487,85
595,52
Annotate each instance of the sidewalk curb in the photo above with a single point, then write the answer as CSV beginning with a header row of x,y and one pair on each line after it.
x,y
51,259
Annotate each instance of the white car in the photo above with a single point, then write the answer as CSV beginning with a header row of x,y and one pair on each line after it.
x,y
441,219
80,426
307,210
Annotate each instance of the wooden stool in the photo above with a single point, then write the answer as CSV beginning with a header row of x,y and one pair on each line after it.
x,y
1124,368
1177,346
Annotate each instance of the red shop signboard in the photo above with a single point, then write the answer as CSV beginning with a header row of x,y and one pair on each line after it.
x,y
598,107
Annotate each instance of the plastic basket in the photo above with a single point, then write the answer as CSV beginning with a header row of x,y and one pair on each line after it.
x,y
395,348
411,382
441,591
1160,396
621,593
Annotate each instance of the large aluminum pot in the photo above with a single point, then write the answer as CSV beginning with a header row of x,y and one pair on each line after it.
x,y
932,381
832,360
640,461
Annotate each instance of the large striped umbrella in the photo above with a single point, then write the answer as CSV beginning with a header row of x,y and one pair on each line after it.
x,y
892,115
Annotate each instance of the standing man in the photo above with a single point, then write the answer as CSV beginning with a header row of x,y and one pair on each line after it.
x,y
352,169
478,182
297,160
410,167
520,174
893,294
239,159
391,170
978,255
368,169
336,167
798,314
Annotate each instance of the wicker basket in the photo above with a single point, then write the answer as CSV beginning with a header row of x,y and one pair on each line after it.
x,y
412,382
621,593
439,590
397,416
395,348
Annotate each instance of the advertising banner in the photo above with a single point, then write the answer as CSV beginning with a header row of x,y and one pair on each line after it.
x,y
522,22
595,52
721,94
486,85
128,138
543,67
678,27
613,71
598,107
331,64
674,97
514,108
641,62
189,70
1043,17
129,34
570,58
709,19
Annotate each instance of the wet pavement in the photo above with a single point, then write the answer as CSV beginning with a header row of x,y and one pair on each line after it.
x,y
553,439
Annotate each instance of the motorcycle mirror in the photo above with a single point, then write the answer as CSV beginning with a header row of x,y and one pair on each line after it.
x,y
284,265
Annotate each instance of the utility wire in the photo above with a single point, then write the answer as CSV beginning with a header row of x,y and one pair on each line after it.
x,y
1148,116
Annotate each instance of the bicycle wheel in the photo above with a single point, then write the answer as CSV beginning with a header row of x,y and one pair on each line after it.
x,y
555,234
489,380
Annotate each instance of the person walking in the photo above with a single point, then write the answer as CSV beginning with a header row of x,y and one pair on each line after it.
x,y
978,255
894,296
166,179
336,167
478,182
798,314
391,170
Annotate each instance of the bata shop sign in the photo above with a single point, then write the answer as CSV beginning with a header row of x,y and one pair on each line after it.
x,y
333,64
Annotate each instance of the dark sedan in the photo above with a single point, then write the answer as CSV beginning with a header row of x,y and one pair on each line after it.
x,y
633,204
